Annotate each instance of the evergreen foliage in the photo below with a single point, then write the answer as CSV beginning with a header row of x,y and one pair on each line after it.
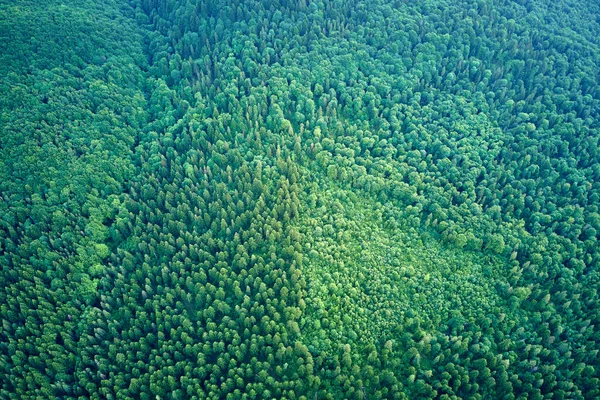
x,y
299,199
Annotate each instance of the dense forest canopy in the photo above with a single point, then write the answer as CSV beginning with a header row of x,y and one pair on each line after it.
x,y
301,199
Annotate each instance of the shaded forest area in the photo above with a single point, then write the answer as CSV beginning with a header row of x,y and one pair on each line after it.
x,y
299,199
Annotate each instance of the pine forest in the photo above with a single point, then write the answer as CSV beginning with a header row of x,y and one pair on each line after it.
x,y
299,199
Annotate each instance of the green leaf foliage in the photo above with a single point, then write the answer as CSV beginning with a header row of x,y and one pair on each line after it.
x,y
299,199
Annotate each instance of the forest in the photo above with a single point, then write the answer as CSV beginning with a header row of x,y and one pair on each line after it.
x,y
299,199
